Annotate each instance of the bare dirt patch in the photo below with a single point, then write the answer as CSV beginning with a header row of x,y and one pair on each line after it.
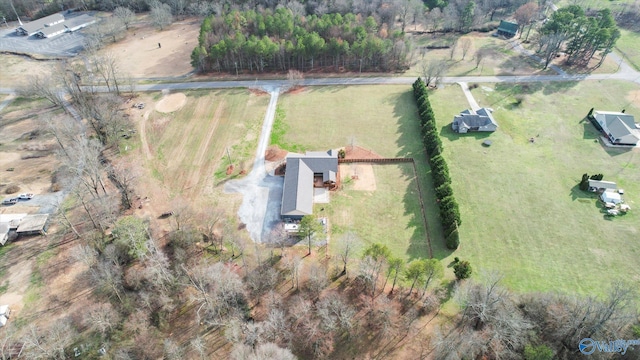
x,y
357,152
274,153
141,56
361,175
171,103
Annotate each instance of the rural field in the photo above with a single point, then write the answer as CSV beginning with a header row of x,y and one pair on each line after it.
x,y
500,58
186,149
383,120
519,199
627,45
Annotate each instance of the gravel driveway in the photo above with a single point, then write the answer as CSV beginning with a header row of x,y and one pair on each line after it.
x,y
262,193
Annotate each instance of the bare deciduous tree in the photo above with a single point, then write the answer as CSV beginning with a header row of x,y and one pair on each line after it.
x,y
465,45
101,318
125,174
433,70
160,14
48,343
347,248
125,15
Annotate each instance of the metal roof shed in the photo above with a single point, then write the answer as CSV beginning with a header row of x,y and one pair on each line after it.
x,y
33,224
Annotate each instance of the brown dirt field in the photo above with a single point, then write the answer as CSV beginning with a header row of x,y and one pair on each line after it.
x,y
140,56
357,152
364,178
14,68
171,103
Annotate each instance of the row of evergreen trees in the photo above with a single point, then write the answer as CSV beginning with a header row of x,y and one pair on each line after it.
x,y
265,40
449,211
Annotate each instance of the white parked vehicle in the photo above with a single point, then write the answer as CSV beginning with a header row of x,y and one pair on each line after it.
x,y
27,196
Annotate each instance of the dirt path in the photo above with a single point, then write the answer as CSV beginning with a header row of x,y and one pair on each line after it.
x,y
199,161
143,135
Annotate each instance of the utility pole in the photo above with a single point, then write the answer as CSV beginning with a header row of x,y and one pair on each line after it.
x,y
229,156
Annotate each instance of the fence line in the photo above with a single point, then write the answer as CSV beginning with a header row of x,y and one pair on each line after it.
x,y
415,173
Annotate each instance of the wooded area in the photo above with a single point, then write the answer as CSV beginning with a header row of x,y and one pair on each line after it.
x,y
267,41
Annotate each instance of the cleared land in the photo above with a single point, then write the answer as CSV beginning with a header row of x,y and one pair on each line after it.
x,y
628,46
523,213
500,58
187,148
383,119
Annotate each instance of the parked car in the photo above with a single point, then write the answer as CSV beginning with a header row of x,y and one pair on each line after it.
x,y
27,196
11,201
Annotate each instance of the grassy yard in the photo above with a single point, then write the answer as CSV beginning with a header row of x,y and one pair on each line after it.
x,y
627,45
383,119
522,212
190,145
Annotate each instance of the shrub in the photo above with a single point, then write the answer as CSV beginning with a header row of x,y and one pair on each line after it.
x,y
341,154
453,241
456,260
540,352
13,188
584,183
444,190
597,177
462,270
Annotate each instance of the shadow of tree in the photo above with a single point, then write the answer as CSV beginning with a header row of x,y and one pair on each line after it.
x,y
410,144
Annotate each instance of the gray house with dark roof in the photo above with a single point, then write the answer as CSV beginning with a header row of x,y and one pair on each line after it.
x,y
619,127
302,174
479,120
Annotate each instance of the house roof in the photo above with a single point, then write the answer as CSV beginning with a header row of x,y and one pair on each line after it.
x,y
619,125
297,193
34,26
508,26
33,223
77,22
54,29
610,196
469,118
598,184
4,233
12,220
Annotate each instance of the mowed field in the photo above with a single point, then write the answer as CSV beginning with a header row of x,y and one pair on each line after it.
x,y
382,119
187,147
522,212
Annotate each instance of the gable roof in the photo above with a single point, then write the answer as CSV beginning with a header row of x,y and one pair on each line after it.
x,y
33,26
598,184
480,118
620,125
52,30
508,26
297,193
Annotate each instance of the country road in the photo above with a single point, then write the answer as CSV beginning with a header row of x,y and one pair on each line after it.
x,y
625,72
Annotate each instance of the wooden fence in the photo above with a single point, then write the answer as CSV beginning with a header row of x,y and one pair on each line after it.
x,y
415,173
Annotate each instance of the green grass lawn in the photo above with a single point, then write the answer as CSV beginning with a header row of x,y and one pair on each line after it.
x,y
627,45
389,215
522,212
383,119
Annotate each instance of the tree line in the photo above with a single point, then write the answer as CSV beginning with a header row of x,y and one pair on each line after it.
x,y
449,210
278,40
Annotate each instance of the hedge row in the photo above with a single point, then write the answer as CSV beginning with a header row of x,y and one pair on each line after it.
x,y
449,211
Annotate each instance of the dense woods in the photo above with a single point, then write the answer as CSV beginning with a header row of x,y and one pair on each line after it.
x,y
272,41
